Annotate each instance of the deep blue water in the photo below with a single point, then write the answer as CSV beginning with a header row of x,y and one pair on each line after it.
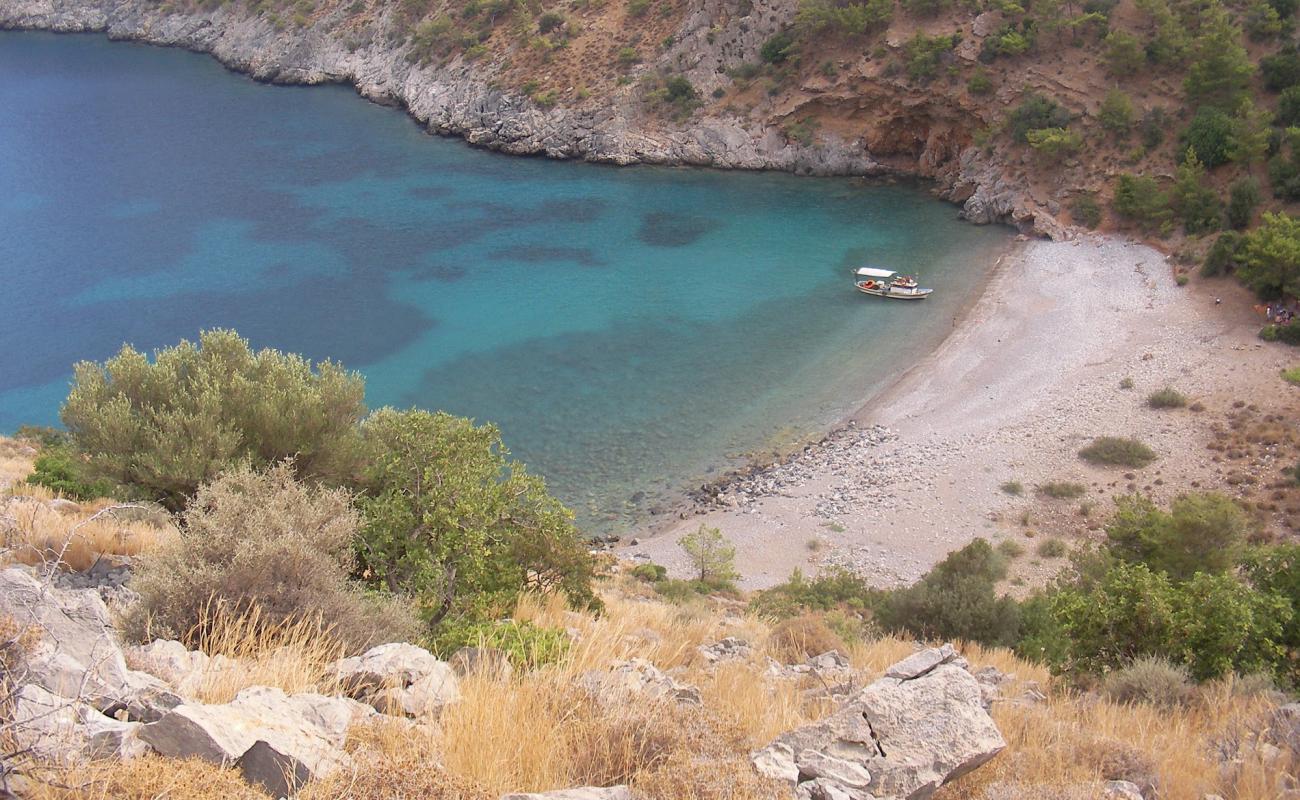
x,y
629,329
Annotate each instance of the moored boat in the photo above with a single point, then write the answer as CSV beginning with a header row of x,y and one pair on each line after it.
x,y
888,283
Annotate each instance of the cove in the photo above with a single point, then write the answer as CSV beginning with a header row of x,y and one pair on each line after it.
x,y
631,330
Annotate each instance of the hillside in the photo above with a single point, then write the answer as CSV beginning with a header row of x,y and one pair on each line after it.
x,y
1028,114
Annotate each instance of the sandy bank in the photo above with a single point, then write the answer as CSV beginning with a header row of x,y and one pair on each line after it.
x,y
1031,375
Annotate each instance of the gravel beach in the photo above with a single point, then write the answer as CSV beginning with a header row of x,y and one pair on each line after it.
x,y
1031,375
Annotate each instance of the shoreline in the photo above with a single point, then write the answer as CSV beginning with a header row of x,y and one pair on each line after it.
x,y
1031,373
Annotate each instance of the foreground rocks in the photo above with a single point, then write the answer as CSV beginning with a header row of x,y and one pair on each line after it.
x,y
400,678
900,738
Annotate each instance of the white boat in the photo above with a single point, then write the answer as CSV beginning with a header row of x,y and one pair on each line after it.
x,y
888,283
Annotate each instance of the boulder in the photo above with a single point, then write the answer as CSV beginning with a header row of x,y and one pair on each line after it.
x,y
74,653
638,677
170,661
724,649
921,662
1121,790
67,731
301,735
577,793
830,661
400,678
897,739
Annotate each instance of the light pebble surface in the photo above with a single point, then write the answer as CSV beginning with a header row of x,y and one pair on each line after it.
x,y
1026,379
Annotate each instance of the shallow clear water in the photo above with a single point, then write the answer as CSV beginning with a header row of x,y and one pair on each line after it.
x,y
629,329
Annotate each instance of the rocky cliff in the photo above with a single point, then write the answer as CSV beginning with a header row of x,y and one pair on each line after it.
x,y
865,125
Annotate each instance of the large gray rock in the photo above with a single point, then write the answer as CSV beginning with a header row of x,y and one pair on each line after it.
x,y
301,735
75,653
400,678
638,677
921,662
64,731
902,738
170,661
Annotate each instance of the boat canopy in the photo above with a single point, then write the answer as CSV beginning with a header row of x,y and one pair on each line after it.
x,y
872,272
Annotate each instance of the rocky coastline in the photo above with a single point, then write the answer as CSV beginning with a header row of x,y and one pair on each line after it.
x,y
466,99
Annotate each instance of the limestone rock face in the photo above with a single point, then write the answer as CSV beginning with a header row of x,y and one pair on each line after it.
x,y
75,654
638,677
898,739
66,731
170,661
724,649
400,678
299,736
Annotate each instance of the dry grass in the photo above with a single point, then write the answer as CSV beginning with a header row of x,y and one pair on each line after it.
x,y
73,538
546,729
294,656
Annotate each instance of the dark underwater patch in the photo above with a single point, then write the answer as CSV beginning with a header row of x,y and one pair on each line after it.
x,y
536,254
668,229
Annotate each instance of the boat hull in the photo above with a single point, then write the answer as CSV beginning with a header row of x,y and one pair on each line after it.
x,y
895,293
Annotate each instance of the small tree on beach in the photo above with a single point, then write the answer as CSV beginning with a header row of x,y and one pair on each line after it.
x,y
712,556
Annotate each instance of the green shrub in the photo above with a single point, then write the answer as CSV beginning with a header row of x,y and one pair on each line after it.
x,y
1063,490
550,21
1223,255
1035,112
1242,200
1270,257
1262,22
1055,143
1152,128
1116,451
922,54
829,590
262,541
712,557
650,573
852,18
637,8
1009,41
526,645
1013,488
1010,549
979,83
1281,70
1126,383
61,471
1086,210
1166,398
1139,198
926,8
165,426
955,600
1124,54
779,48
1195,202
627,56
1051,548
1116,113
1288,107
1224,626
1199,533
1287,334
1210,135
1291,375
1152,680
450,519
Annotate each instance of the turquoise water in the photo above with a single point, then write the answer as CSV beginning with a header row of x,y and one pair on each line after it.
x,y
631,330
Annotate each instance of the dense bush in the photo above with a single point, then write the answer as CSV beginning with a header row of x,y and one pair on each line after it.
x,y
955,600
261,540
1086,210
1281,70
1210,136
1054,143
1270,257
526,645
1116,112
1140,199
1035,112
1220,69
850,18
1243,198
60,470
1062,490
829,590
1124,54
1116,451
922,54
1152,680
165,426
450,519
778,48
1196,203
1288,107
1166,398
1223,255
1287,334
1200,533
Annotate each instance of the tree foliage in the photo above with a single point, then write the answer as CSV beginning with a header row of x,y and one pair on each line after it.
x,y
1200,533
712,557
1270,257
450,519
164,426
1196,203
